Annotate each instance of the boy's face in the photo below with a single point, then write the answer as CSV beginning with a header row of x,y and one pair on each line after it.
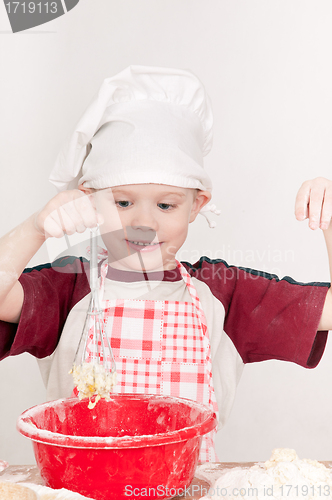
x,y
146,224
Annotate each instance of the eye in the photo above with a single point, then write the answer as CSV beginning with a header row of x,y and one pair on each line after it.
x,y
165,206
123,203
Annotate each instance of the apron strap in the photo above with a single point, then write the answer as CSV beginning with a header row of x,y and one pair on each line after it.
x,y
192,290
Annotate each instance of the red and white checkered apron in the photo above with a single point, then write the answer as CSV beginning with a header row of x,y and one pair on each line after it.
x,y
162,347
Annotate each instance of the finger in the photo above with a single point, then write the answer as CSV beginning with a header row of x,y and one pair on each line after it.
x,y
72,219
87,211
78,214
67,218
302,201
326,212
52,225
100,219
315,206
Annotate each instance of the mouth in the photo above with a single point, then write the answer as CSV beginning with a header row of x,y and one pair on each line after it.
x,y
143,246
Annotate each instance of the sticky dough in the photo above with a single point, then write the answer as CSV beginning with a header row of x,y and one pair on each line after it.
x,y
93,380
283,477
12,491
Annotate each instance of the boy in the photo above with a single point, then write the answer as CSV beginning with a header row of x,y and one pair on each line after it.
x,y
137,155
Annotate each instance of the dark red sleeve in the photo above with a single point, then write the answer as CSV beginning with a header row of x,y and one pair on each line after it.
x,y
50,292
267,317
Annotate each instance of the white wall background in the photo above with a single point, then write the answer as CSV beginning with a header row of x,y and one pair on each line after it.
x,y
267,67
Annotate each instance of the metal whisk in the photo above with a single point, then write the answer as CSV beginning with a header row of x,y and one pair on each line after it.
x,y
94,374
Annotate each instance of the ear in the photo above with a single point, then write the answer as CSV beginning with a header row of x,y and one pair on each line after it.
x,y
201,199
85,190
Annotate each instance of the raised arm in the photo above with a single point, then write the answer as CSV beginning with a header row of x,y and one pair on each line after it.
x,y
314,202
67,212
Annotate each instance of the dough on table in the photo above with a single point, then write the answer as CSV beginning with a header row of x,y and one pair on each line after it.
x,y
13,491
283,477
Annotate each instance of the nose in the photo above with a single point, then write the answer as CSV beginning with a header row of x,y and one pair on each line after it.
x,y
143,226
144,220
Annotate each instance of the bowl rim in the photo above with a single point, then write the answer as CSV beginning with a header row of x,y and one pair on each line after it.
x,y
28,429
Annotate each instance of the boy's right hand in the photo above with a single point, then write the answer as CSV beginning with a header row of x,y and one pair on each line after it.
x,y
68,212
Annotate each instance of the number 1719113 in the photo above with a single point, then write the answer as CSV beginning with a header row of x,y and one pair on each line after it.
x,y
320,490
32,7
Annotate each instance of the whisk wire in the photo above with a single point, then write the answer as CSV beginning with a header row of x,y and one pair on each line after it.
x,y
94,366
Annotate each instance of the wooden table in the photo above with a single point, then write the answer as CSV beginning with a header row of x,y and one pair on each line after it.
x,y
30,474
204,477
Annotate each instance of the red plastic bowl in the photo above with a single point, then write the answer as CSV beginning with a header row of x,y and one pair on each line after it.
x,y
134,446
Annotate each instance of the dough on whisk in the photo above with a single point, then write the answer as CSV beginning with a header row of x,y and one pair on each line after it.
x,y
13,491
93,380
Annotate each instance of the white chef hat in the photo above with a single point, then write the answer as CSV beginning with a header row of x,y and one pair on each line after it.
x,y
146,125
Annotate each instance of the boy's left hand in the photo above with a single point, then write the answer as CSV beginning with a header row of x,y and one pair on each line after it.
x,y
314,202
